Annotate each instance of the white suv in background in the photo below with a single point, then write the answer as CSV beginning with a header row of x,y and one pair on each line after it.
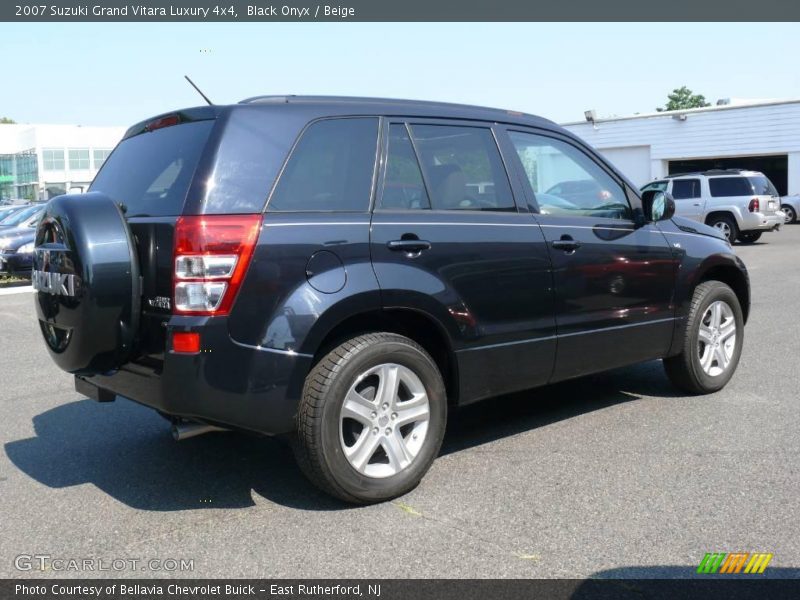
x,y
742,204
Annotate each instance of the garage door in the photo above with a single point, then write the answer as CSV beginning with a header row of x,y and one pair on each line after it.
x,y
633,161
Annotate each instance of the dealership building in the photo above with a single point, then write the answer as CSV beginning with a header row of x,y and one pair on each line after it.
x,y
38,162
42,161
748,134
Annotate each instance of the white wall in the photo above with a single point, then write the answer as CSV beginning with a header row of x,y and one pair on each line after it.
x,y
18,138
712,132
633,161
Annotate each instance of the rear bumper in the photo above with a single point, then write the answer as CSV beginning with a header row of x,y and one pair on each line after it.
x,y
762,222
226,383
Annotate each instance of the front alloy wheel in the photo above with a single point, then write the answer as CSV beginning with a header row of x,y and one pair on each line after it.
x,y
712,340
790,214
716,338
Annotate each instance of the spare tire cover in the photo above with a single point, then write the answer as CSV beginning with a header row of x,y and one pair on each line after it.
x,y
86,277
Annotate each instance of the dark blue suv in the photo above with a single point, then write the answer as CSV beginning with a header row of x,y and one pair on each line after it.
x,y
345,270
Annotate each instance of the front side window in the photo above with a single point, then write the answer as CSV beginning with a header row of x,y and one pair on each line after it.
x,y
78,158
686,189
566,181
53,160
403,187
330,169
463,168
658,186
721,187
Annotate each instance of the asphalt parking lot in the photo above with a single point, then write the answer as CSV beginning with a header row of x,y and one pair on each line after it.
x,y
612,475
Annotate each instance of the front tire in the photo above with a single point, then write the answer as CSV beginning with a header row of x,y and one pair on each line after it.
x,y
749,237
712,341
791,215
371,419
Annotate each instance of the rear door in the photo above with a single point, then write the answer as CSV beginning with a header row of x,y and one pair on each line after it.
x,y
688,198
613,279
448,240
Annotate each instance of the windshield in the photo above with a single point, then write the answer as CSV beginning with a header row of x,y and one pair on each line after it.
x,y
20,216
150,173
762,186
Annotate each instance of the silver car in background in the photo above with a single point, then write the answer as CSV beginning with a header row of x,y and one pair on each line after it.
x,y
790,205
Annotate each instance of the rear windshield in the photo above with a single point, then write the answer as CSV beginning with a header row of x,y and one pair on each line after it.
x,y
150,173
762,186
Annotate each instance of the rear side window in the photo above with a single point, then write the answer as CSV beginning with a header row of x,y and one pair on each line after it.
x,y
150,173
403,186
762,186
685,189
330,169
729,186
463,168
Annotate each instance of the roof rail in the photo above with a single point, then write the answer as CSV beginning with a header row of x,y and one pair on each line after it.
x,y
707,172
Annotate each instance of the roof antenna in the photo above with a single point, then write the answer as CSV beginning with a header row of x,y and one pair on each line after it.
x,y
198,90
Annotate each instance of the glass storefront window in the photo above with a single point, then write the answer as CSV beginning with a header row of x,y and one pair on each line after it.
x,y
53,159
78,158
100,156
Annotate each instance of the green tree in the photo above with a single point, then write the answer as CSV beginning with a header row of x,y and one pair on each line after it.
x,y
682,98
6,121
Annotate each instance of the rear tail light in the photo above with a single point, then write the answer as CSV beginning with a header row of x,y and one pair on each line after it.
x,y
212,253
755,205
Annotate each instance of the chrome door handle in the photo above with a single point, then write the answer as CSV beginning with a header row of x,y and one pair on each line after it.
x,y
566,245
408,245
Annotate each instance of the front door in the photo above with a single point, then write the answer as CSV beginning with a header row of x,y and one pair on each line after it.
x,y
613,279
688,198
449,241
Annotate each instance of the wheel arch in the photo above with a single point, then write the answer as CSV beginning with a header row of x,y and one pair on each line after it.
x,y
732,276
723,212
413,324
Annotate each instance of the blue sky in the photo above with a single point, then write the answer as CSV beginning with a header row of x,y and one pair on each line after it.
x,y
117,74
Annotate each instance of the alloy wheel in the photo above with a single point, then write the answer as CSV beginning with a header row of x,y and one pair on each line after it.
x,y
724,227
716,340
384,420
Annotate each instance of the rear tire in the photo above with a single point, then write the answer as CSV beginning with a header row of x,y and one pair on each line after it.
x,y
712,342
727,225
371,419
791,215
749,237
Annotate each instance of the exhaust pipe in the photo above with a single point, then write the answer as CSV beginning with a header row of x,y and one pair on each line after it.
x,y
184,431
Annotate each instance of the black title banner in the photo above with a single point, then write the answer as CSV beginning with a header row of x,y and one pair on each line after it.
x,y
397,589
401,10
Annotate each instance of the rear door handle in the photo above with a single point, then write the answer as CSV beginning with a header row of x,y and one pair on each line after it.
x,y
408,245
566,245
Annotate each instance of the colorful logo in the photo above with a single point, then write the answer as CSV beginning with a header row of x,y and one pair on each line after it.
x,y
734,562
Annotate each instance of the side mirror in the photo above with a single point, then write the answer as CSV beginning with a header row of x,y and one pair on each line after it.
x,y
657,205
